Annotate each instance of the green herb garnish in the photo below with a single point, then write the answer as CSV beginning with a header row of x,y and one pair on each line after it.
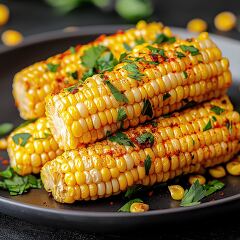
x,y
5,128
122,115
194,51
145,138
217,110
213,186
147,108
161,38
166,96
180,55
214,118
52,67
122,139
208,126
127,47
154,124
133,190
147,164
126,207
106,62
116,93
72,50
74,75
88,74
185,75
133,71
122,56
21,138
139,41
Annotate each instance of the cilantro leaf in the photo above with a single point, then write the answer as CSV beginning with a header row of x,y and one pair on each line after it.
x,y
161,38
88,74
133,71
194,51
106,62
145,138
127,47
72,50
154,124
213,186
74,75
21,138
73,89
133,190
91,55
139,41
193,195
157,51
122,56
166,96
52,67
5,128
217,110
147,108
122,139
185,75
7,173
122,115
214,118
116,93
126,206
147,164
180,54
208,126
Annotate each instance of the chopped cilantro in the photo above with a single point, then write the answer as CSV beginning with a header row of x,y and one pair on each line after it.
x,y
106,62
74,75
122,115
116,93
122,56
161,38
133,71
126,207
52,67
213,186
127,47
185,75
214,118
5,128
21,138
133,190
87,74
122,139
208,126
217,110
145,138
72,50
166,96
147,164
180,55
194,51
139,41
147,108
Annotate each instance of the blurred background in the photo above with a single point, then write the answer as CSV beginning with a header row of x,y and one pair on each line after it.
x,y
28,17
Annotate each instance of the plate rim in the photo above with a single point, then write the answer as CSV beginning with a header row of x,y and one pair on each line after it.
x,y
93,30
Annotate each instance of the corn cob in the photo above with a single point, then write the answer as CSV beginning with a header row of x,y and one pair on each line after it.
x,y
31,146
182,143
137,90
34,83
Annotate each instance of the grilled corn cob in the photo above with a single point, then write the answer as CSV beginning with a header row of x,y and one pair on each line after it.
x,y
182,143
151,81
30,147
34,83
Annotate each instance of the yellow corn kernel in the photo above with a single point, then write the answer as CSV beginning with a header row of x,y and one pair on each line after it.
x,y
194,178
11,37
4,14
176,191
197,25
225,21
139,207
233,168
217,172
3,144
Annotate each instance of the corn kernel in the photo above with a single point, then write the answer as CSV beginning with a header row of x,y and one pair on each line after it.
x,y
233,168
194,178
197,25
217,172
225,21
176,192
3,144
4,14
11,37
139,207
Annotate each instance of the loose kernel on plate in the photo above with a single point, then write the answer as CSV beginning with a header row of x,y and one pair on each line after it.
x,y
217,172
3,143
11,37
4,14
225,21
176,191
194,178
233,168
139,207
197,25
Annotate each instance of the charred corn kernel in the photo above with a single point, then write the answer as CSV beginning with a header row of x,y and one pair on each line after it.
x,y
193,178
114,167
39,148
197,25
217,172
3,143
225,21
139,207
233,168
165,93
4,14
34,83
11,37
176,192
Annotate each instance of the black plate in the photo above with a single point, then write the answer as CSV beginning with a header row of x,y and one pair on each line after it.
x,y
38,207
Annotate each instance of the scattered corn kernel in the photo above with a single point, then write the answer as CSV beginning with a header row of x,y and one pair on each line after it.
x,y
139,207
3,143
176,192
12,37
233,168
4,14
194,178
225,21
217,172
197,25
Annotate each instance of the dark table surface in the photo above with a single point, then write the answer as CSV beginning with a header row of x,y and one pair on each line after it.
x,y
33,17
